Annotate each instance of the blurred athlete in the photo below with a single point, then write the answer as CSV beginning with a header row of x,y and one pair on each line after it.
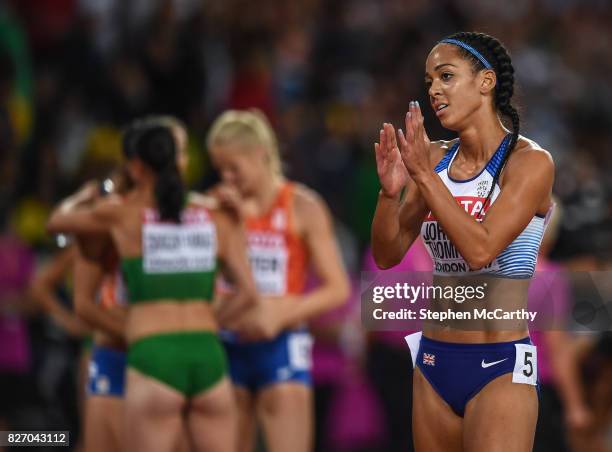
x,y
289,229
53,276
100,299
43,289
169,247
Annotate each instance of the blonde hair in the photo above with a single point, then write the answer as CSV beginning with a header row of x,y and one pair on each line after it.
x,y
247,127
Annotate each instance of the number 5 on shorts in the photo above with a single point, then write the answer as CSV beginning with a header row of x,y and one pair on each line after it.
x,y
526,365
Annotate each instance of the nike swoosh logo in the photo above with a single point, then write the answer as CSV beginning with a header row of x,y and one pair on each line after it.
x,y
485,365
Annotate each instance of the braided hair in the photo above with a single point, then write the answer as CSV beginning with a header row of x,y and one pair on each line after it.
x,y
497,55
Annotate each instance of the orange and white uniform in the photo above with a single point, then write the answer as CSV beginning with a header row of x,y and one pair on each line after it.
x,y
279,261
278,256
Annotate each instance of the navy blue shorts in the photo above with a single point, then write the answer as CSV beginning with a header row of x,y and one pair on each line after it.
x,y
106,372
458,372
287,358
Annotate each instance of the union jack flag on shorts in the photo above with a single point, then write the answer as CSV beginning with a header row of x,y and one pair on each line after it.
x,y
429,359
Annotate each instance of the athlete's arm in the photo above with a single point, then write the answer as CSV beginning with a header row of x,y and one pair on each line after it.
x,y
43,291
564,363
396,223
232,253
333,290
72,218
202,200
526,185
88,276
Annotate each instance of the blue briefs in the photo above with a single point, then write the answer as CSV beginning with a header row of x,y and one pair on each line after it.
x,y
106,372
459,371
287,358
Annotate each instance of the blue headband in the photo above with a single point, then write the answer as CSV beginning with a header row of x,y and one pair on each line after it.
x,y
470,49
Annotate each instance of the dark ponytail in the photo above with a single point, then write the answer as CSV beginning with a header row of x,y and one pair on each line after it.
x,y
155,146
497,55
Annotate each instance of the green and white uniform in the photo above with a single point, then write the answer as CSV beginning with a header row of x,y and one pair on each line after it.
x,y
178,263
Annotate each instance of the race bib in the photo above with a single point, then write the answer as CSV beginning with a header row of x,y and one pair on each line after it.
x,y
268,256
446,258
526,365
172,248
300,351
414,342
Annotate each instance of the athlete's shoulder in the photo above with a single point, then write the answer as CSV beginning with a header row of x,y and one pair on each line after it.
x,y
110,206
113,199
529,156
310,208
306,198
304,192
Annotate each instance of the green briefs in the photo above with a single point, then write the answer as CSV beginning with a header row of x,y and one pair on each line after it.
x,y
190,362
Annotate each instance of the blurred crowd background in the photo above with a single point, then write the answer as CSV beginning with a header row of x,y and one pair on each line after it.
x,y
327,73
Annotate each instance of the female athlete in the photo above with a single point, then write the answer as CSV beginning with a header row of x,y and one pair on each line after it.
x,y
288,229
169,250
480,203
100,299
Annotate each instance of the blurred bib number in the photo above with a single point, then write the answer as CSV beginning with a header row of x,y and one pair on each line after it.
x,y
300,351
268,256
169,248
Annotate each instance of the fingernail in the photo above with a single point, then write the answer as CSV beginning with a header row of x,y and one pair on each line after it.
x,y
417,104
400,131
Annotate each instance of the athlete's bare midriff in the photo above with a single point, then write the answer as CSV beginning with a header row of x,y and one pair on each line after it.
x,y
161,316
474,337
500,293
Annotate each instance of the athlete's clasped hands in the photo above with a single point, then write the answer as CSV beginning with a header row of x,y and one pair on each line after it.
x,y
402,155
